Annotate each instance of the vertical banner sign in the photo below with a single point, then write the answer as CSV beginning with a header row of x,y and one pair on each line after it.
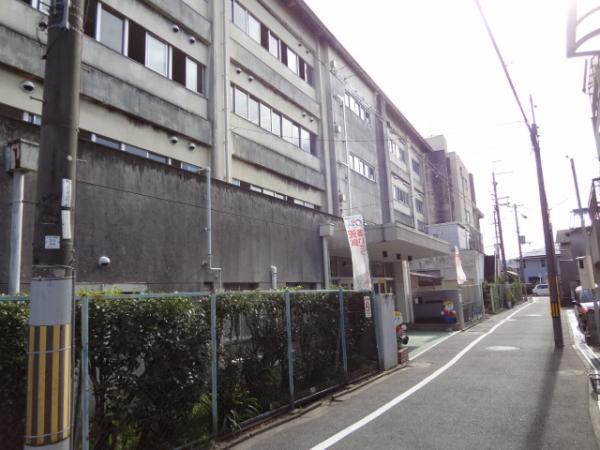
x,y
355,231
461,278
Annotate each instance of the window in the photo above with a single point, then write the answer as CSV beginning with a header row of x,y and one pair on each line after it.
x,y
292,61
135,150
295,135
157,55
190,167
416,167
137,43
111,29
305,141
253,110
191,75
353,105
253,28
286,130
401,195
358,165
240,105
276,124
106,142
397,148
419,206
543,262
265,117
42,6
273,45
239,15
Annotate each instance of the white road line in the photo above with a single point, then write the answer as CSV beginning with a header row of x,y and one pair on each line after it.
x,y
579,339
431,346
389,405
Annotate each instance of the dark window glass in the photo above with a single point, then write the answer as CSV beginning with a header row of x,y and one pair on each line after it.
x,y
178,69
106,142
135,150
283,52
190,167
157,158
89,24
310,75
301,68
264,36
137,43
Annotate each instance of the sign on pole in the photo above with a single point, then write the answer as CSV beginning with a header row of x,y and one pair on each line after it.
x,y
355,231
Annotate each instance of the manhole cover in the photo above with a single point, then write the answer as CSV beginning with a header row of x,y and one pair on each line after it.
x,y
502,348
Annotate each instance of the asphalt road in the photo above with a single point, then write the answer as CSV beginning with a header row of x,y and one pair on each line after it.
x,y
499,385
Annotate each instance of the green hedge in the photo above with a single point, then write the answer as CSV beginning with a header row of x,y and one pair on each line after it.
x,y
150,362
13,370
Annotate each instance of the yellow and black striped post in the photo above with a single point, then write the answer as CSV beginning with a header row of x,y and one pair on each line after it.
x,y
48,385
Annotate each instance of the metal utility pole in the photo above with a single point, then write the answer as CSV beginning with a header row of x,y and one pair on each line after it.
x,y
586,243
49,380
499,221
521,269
548,238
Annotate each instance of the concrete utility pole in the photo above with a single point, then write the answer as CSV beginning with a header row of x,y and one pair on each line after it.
x,y
548,238
48,421
521,269
499,222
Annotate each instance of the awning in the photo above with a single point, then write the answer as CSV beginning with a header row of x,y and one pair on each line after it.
x,y
387,242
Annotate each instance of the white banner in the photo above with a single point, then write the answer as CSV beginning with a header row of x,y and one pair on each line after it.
x,y
357,239
460,273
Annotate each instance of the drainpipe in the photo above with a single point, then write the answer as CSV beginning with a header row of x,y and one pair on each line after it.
x,y
343,102
273,277
16,233
208,263
21,156
226,90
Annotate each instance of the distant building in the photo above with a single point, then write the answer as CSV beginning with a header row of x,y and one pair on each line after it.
x,y
534,266
572,245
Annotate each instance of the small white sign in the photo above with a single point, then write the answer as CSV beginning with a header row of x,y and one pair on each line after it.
x,y
52,243
65,200
368,312
65,216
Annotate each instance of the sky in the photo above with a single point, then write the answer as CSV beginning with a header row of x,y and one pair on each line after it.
x,y
435,61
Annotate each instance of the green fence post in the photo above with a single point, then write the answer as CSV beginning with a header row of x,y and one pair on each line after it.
x,y
343,334
290,348
85,391
214,366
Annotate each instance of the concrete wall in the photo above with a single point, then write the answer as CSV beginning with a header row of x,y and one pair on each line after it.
x,y
149,218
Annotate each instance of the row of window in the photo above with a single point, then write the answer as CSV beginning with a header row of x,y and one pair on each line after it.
x,y
130,39
360,166
42,6
419,206
269,119
354,105
401,195
397,148
241,17
132,149
274,194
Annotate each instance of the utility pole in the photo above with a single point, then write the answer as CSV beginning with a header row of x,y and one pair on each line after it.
x,y
521,269
586,242
548,238
499,221
496,247
49,380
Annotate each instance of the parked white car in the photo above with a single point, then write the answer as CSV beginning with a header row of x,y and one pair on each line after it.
x,y
541,289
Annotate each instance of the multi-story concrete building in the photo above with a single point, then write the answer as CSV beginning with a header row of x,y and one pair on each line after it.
x,y
455,219
295,132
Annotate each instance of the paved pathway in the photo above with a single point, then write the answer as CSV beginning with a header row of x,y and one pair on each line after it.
x,y
499,385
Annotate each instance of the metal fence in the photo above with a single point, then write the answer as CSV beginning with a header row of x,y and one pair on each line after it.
x,y
174,370
499,296
472,302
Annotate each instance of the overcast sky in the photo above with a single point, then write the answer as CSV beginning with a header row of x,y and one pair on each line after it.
x,y
433,58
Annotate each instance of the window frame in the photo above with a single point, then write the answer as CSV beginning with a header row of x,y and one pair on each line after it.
x,y
168,55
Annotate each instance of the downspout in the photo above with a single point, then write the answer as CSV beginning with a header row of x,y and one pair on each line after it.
x,y
347,152
16,233
208,263
226,90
